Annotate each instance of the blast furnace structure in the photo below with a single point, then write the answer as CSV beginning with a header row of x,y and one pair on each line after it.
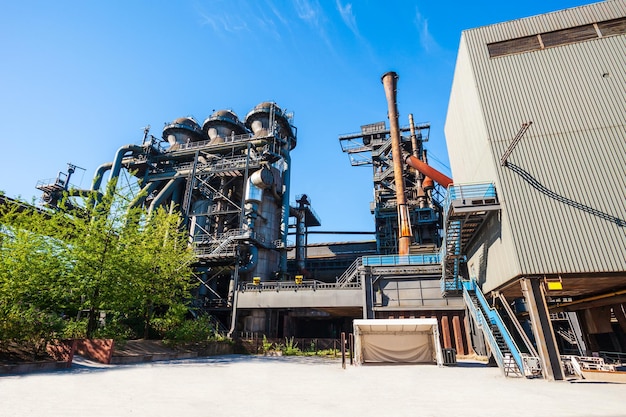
x,y
230,180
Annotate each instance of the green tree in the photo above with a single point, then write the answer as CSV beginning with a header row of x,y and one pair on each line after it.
x,y
102,257
33,274
158,261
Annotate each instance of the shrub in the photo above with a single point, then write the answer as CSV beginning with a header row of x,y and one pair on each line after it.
x,y
197,330
75,329
115,330
291,348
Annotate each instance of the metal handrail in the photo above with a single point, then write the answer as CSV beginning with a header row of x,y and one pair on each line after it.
x,y
495,319
467,191
349,273
309,285
393,260
483,324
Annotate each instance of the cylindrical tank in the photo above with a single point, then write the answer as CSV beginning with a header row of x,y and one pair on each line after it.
x,y
264,214
264,115
182,130
221,125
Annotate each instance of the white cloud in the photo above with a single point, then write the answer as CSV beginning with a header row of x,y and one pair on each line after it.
x,y
348,17
309,11
426,39
277,13
225,22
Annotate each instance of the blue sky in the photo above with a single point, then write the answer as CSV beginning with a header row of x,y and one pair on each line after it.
x,y
79,79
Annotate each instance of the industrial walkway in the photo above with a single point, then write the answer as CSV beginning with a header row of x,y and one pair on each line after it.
x,y
296,386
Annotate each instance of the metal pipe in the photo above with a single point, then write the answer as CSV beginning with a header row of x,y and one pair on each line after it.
x,y
390,80
254,257
119,155
429,171
164,193
300,237
419,177
414,145
284,228
99,174
145,192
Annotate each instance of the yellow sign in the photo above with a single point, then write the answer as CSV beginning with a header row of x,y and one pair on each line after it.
x,y
256,280
298,279
555,285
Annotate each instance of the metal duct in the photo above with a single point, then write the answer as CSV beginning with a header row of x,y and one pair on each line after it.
x,y
390,80
429,171
117,162
164,193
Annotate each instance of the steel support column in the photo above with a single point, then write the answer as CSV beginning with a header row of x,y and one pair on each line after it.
x,y
468,335
458,335
542,328
445,331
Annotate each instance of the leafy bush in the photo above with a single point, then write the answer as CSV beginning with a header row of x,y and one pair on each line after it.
x,y
197,330
173,318
30,328
290,348
115,330
75,329
266,345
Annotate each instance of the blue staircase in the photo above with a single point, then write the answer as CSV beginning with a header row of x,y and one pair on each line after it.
x,y
465,209
505,352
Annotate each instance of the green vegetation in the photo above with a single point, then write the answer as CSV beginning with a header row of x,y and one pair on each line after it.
x,y
290,348
102,270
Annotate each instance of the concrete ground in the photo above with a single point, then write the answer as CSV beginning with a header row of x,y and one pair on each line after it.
x,y
297,386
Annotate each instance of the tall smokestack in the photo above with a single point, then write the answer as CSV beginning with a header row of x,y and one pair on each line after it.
x,y
390,81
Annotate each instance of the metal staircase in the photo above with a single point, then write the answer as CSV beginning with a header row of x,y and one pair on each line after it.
x,y
451,259
350,274
503,348
466,208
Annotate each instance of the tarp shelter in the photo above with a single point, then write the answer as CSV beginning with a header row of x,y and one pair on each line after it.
x,y
397,341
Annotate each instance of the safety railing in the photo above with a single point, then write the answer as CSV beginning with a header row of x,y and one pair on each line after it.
x,y
467,193
393,260
291,286
228,139
613,357
350,273
492,317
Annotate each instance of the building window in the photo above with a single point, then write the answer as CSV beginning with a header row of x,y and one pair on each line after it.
x,y
569,35
613,27
557,38
514,46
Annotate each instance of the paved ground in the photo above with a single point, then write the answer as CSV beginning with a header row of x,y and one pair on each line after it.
x,y
295,386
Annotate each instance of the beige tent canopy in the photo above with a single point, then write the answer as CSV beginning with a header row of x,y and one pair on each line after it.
x,y
397,341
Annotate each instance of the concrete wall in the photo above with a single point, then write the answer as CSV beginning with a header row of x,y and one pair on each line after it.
x,y
302,298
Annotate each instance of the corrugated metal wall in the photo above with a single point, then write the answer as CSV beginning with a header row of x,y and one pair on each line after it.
x,y
565,190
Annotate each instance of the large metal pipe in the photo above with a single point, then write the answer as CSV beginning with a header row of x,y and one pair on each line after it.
x,y
284,228
429,171
415,149
164,193
117,162
145,192
390,81
414,145
300,237
99,175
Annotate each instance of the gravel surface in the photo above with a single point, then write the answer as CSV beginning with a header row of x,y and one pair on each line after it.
x,y
297,386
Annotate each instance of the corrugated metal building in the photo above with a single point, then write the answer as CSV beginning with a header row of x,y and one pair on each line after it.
x,y
562,186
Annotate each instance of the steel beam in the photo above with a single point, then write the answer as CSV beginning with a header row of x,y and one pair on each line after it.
x,y
551,365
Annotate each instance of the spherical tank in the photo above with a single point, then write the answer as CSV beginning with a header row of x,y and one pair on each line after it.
x,y
258,121
221,125
182,130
